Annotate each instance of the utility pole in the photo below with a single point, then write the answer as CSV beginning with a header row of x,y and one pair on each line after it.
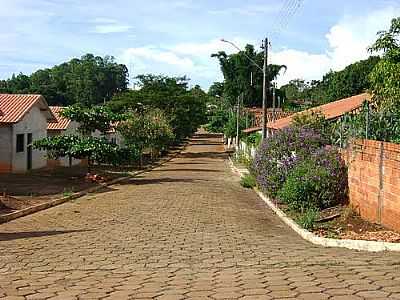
x,y
273,103
237,123
265,88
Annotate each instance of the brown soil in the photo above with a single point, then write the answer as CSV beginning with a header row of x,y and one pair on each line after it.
x,y
349,225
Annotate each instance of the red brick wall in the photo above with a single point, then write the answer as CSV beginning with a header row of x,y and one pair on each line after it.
x,y
374,181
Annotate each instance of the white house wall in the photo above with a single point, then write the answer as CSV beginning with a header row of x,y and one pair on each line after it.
x,y
5,148
33,122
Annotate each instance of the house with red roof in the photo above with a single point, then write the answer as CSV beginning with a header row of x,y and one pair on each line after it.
x,y
23,120
61,126
331,111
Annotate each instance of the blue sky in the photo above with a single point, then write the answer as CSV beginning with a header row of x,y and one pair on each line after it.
x,y
177,37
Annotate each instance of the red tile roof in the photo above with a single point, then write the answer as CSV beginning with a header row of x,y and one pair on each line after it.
x,y
331,110
13,107
252,129
61,123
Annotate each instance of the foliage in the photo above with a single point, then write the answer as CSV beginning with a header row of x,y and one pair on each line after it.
x,y
90,119
80,147
308,218
88,80
248,181
254,139
185,109
230,127
216,89
279,153
385,77
318,182
84,145
217,121
148,129
350,81
237,70
314,120
369,123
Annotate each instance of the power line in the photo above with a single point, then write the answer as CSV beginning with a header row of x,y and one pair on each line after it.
x,y
288,11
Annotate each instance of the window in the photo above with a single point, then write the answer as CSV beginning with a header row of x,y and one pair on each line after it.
x,y
20,143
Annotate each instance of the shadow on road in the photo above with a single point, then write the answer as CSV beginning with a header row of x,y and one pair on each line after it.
x,y
187,170
9,236
212,155
138,181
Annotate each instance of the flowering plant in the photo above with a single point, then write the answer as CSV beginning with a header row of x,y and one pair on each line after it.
x,y
318,182
280,153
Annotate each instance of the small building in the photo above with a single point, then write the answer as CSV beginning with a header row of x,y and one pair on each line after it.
x,y
114,136
61,126
23,120
331,111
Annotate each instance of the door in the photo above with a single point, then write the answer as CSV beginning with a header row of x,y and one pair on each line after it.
x,y
29,151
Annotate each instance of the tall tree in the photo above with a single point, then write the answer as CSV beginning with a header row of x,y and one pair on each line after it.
x,y
241,76
89,80
184,108
385,77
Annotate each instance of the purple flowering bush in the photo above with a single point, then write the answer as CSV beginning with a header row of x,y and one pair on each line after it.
x,y
280,153
318,182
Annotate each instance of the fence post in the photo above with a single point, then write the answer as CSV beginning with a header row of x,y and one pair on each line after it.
x,y
367,122
341,133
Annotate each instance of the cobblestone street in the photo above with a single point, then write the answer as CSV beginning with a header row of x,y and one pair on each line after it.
x,y
186,230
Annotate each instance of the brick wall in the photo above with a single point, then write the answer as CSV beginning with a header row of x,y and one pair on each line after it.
x,y
374,181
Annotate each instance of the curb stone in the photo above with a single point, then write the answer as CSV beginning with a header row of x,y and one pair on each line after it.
x,y
30,210
361,245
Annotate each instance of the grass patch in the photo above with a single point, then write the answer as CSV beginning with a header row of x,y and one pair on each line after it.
x,y
248,181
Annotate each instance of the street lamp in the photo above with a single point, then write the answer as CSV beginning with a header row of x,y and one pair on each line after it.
x,y
264,71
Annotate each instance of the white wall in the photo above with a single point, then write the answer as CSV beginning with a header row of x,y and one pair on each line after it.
x,y
5,145
71,129
34,122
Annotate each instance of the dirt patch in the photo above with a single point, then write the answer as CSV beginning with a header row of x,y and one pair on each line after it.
x,y
349,225
341,222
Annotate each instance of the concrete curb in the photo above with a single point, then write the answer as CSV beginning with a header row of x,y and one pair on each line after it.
x,y
360,245
30,210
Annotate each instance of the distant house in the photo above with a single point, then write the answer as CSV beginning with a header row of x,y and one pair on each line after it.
x,y
61,126
114,136
23,119
331,111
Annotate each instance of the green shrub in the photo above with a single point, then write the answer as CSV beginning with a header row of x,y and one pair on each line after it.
x,y
248,181
316,183
254,139
280,152
308,218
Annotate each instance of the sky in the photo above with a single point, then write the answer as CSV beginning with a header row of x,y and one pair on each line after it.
x,y
177,37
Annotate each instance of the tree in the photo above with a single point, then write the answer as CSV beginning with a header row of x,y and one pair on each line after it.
x,y
216,89
100,118
89,80
350,81
238,70
148,129
83,145
185,109
385,77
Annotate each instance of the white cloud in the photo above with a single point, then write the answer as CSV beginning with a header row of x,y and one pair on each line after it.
x,y
111,28
192,59
249,10
350,38
155,55
348,41
107,25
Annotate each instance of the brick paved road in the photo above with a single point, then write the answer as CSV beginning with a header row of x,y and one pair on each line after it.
x,y
185,231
